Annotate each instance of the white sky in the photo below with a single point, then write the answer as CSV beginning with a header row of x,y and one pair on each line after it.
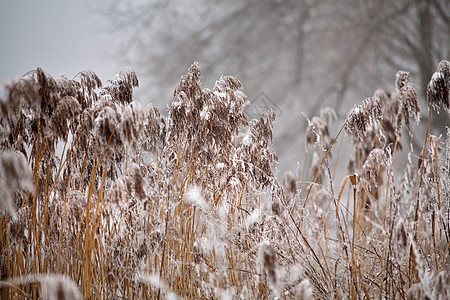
x,y
60,36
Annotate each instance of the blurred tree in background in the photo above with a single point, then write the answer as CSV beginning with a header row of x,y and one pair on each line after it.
x,y
303,54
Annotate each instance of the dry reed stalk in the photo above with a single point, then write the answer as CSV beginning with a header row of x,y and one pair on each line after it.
x,y
436,171
321,162
134,217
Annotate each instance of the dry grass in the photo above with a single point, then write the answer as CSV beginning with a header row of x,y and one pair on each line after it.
x,y
139,205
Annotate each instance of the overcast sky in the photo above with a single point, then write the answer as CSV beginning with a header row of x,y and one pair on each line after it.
x,y
60,36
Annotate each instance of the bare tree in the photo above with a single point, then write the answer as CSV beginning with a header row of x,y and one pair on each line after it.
x,y
401,35
302,53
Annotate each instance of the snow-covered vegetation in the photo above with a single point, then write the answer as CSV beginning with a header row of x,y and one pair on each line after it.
x,y
102,198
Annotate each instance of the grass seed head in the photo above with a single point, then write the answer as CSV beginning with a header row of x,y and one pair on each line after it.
x,y
304,290
204,209
372,167
290,184
363,118
121,87
56,287
407,97
319,128
66,110
267,258
390,107
438,89
15,173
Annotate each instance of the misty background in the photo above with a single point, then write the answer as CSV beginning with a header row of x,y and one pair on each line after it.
x,y
295,56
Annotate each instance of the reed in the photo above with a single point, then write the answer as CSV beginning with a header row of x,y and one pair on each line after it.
x,y
104,199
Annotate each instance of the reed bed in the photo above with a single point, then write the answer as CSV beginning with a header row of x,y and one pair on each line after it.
x,y
104,199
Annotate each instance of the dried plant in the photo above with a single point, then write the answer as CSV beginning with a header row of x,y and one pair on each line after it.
x,y
15,173
290,184
373,165
52,286
120,88
438,89
319,128
390,107
102,198
268,262
407,97
363,118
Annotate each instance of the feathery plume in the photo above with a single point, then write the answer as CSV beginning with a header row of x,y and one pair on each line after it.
x,y
121,87
66,110
14,173
319,128
267,259
407,97
438,89
304,291
364,117
376,160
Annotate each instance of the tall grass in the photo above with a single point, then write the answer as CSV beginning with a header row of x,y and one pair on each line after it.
x,y
104,199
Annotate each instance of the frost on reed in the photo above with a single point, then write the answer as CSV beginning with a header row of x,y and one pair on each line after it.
x,y
363,119
407,98
53,287
438,89
104,197
15,173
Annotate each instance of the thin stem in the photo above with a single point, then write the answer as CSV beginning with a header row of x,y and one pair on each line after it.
x,y
389,179
416,217
323,159
439,196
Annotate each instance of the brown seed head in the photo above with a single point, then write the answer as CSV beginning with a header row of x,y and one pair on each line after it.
x,y
364,117
438,89
408,100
